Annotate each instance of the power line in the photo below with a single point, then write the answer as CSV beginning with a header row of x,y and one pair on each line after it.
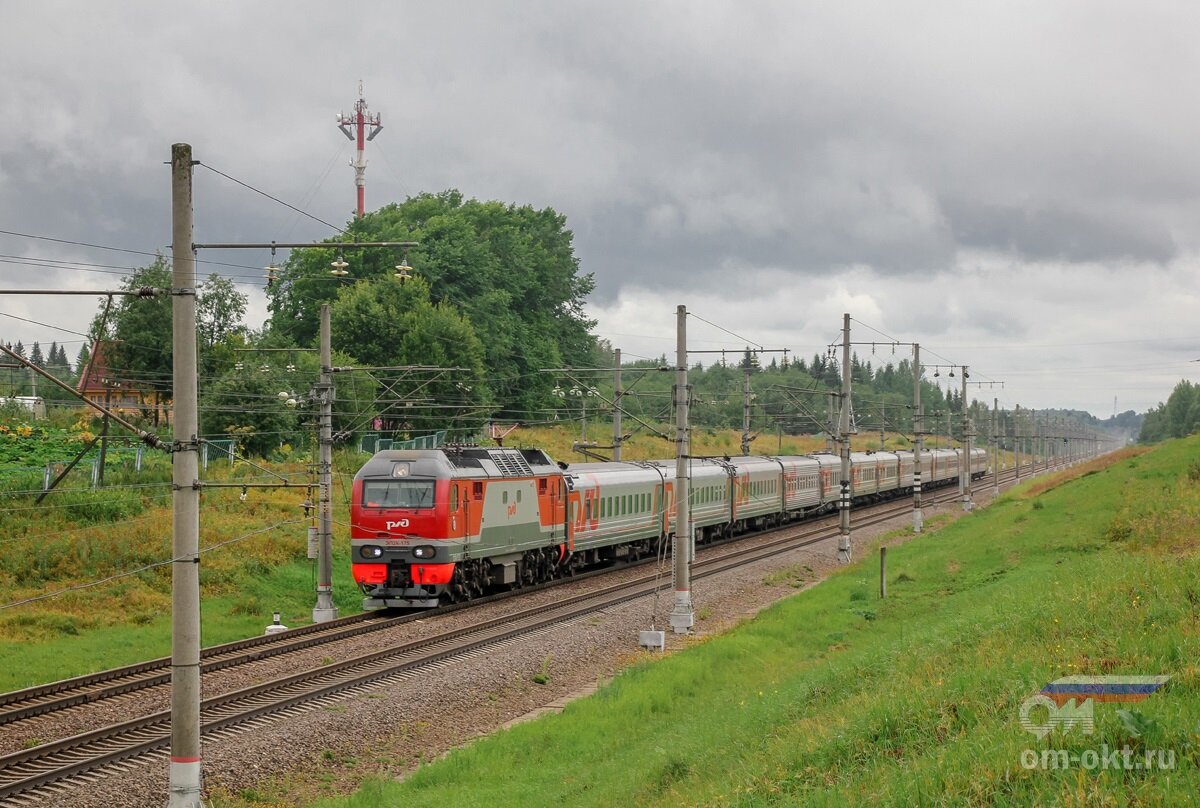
x,y
269,196
112,249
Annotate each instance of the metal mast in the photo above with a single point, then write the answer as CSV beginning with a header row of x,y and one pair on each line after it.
x,y
360,120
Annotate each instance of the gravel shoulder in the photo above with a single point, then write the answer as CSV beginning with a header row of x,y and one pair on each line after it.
x,y
394,728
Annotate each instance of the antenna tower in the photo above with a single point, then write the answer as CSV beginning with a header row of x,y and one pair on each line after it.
x,y
360,120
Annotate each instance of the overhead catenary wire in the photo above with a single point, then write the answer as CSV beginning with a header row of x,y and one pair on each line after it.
x,y
269,196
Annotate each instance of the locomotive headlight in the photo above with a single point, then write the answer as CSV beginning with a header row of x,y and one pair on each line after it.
x,y
424,551
370,551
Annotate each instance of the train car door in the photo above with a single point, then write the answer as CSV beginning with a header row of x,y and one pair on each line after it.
x,y
456,517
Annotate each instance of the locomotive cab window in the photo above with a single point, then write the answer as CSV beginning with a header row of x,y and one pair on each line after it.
x,y
398,493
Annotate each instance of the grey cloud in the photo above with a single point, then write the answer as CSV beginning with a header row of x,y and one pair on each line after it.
x,y
1056,233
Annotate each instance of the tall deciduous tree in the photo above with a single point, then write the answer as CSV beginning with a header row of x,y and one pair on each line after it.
x,y
220,308
386,324
140,328
510,269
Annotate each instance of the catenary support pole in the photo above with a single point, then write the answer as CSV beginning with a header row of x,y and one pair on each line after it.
x,y
843,552
995,449
185,473
1017,440
682,618
919,443
746,407
964,474
325,610
617,392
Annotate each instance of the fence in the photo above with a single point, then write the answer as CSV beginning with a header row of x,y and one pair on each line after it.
x,y
373,442
220,448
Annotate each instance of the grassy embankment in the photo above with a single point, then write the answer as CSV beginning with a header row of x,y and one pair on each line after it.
x,y
78,535
834,697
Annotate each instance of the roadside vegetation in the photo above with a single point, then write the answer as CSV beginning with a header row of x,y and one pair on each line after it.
x,y
834,697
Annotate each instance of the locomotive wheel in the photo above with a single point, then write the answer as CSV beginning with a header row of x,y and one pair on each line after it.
x,y
459,588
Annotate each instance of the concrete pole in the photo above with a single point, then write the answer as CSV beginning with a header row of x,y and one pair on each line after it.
x,y
995,449
843,552
184,777
919,432
682,618
325,611
1042,439
1017,440
746,410
965,466
617,392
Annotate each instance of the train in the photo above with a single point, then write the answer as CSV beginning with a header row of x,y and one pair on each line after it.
x,y
435,526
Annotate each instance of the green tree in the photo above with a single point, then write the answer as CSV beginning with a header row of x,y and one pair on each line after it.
x,y
81,360
1179,416
220,308
244,404
510,269
387,324
140,328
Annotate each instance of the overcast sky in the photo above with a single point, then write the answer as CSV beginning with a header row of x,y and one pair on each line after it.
x,y
1014,185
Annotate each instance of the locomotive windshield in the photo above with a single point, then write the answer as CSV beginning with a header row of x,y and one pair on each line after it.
x,y
398,493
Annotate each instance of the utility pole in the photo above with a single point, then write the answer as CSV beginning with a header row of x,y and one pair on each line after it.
x,y
1017,440
746,395
616,419
919,434
843,553
360,120
964,473
185,475
995,450
1042,439
682,617
325,610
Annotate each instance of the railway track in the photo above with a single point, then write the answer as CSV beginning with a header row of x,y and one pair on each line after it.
x,y
27,771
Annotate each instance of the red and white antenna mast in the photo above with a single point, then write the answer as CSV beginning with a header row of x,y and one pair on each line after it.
x,y
360,120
